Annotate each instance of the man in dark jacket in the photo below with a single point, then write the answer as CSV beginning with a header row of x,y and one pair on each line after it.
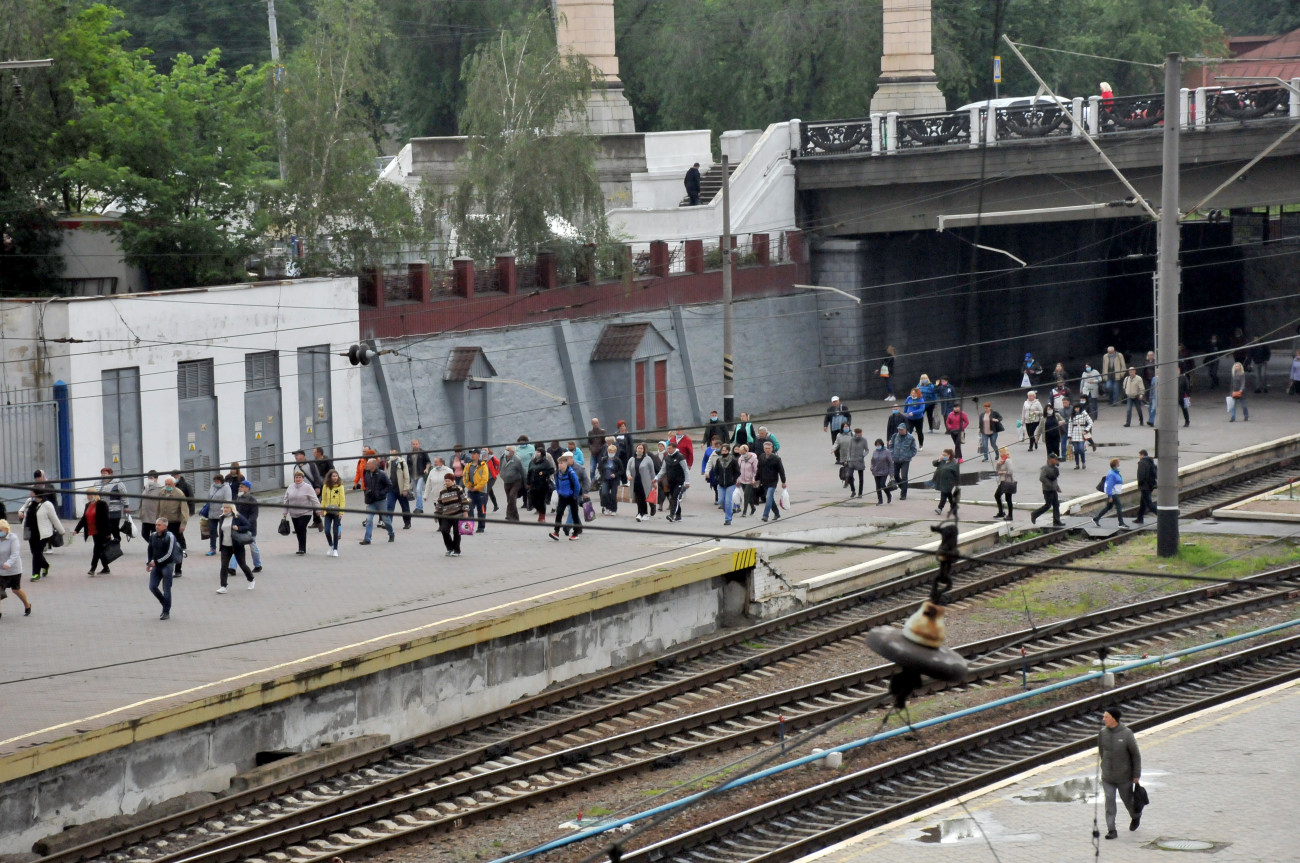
x,y
247,506
186,489
377,487
1146,484
716,429
692,183
1121,768
512,478
162,565
837,419
1048,475
895,420
770,471
596,440
673,473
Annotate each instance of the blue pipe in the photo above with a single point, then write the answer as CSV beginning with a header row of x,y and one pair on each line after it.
x,y
64,421
885,735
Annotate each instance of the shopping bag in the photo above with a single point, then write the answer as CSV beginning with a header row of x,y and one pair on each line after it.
x,y
1025,382
284,528
56,541
588,511
128,526
466,527
205,528
1187,402
738,498
653,495
625,494
785,498
112,551
1101,484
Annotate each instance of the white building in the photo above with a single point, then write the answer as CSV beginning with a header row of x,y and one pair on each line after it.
x,y
190,378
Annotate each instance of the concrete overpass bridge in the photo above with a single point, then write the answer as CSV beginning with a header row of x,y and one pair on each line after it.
x,y
870,194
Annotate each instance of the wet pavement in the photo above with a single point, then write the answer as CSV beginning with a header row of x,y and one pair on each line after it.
x,y
1221,782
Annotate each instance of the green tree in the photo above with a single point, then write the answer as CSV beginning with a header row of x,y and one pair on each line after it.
x,y
527,162
333,85
181,155
168,28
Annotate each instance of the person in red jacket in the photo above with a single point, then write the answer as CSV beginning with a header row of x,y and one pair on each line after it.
x,y
360,480
683,444
956,423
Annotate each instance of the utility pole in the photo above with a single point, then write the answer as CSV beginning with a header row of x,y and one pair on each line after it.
x,y
277,73
728,364
1168,284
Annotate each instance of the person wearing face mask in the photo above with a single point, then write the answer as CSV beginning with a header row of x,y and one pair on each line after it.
x,y
11,565
947,478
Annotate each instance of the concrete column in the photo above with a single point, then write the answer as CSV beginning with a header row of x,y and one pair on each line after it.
x,y
762,249
990,126
1295,99
694,256
546,275
1182,108
659,258
891,131
1094,115
508,274
1076,107
795,245
877,132
974,127
1200,119
907,82
463,269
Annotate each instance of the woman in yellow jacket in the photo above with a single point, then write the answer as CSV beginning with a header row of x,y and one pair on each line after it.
x,y
332,501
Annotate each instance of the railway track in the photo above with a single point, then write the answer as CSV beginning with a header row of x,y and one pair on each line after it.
x,y
477,767
805,821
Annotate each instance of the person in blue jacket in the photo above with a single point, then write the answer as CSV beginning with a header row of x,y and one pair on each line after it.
x,y
568,488
931,400
1113,482
914,410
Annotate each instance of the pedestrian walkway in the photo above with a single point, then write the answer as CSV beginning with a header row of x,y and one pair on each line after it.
x,y
94,652
1219,781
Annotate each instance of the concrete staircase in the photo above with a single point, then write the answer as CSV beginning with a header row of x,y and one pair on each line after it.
x,y
710,184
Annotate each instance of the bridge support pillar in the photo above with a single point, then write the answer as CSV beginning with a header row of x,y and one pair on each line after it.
x,y
1295,98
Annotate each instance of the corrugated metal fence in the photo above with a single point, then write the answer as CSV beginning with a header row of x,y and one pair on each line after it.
x,y
29,439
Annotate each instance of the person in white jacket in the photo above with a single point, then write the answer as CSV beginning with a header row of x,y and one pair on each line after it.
x,y
41,521
11,565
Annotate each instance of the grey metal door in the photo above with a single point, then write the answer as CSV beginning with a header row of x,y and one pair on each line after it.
x,y
262,421
197,410
315,407
29,439
123,450
476,414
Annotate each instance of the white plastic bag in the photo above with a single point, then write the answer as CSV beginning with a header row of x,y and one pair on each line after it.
x,y
1228,401
737,498
785,498
555,499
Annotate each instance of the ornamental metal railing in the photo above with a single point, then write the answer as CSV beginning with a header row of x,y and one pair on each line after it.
x,y
1034,118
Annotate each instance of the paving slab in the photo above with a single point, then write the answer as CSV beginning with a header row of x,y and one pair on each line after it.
x,y
94,652
1221,782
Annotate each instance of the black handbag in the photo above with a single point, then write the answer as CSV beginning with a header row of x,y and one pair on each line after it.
x,y
1140,797
284,528
112,551
1101,484
56,541
241,537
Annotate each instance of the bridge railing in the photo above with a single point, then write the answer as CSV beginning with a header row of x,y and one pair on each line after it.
x,y
1043,117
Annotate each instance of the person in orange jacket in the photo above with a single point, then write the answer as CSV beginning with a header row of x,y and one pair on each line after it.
x,y
360,481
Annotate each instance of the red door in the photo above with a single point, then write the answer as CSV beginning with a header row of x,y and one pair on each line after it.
x,y
661,394
640,395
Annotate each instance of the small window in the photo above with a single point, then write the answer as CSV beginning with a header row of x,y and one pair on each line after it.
x,y
194,379
262,370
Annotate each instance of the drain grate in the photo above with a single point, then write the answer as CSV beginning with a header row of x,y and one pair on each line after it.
x,y
1176,844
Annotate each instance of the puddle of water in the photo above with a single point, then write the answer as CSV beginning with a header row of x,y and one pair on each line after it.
x,y
951,830
1081,790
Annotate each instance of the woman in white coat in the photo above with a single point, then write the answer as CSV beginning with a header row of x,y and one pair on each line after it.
x,y
41,523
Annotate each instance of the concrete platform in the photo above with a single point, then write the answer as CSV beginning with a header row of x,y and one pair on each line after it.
x,y
93,661
1224,778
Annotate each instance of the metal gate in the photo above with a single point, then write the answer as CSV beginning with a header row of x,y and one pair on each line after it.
x,y
123,450
314,402
29,439
197,411
262,422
